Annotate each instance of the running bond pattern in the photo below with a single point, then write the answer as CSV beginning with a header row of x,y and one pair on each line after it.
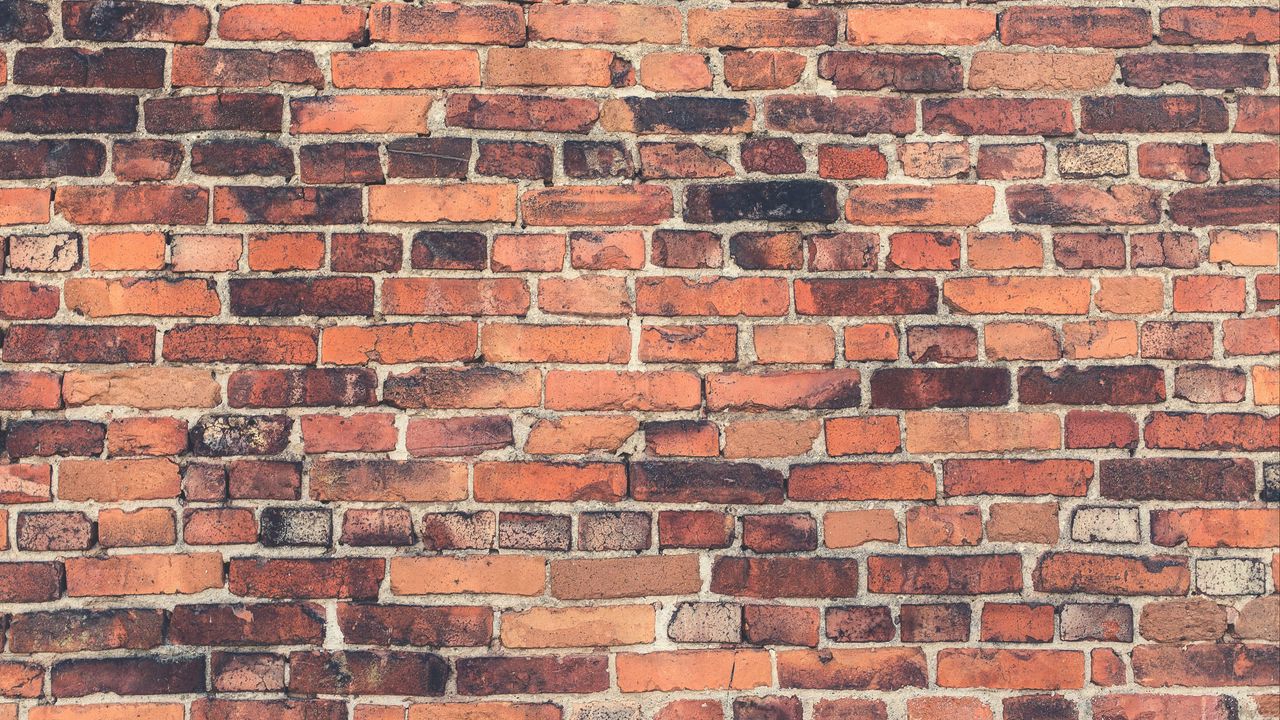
x,y
652,360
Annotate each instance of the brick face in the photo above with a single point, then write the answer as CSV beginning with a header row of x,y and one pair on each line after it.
x,y
645,360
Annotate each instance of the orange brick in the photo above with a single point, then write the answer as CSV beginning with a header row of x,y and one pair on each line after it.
x,y
851,528
116,480
443,203
548,67
337,23
769,438
674,72
127,251
694,670
873,434
981,432
330,114
405,69
1019,295
919,26
137,528
794,344
151,574
610,625
489,575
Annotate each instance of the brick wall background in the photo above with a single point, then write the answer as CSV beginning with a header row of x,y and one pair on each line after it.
x,y
653,360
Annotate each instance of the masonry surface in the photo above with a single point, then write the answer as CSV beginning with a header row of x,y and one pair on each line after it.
x,y
639,361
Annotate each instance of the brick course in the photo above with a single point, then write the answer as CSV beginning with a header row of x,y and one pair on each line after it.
x,y
639,361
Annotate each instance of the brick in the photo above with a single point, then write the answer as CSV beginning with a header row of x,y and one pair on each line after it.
x,y
211,709
579,434
1190,25
1204,665
849,162
939,387
478,25
981,432
30,23
675,72
1105,385
79,344
1046,71
1021,669
502,575
1081,205
1201,71
679,296
145,574
69,113
861,481
944,575
455,436
1071,572
743,28
938,526
1010,162
616,23
866,296
45,438
1174,161
576,579
694,529
260,624
22,206
22,300
770,625
919,26
52,158
1014,622
769,438
556,343
32,390
852,669
1244,527
693,670
138,528
706,482
857,527
919,205
861,435
578,627
140,675
1176,479
876,71
998,116
609,205
364,672
406,69
935,623
844,115
1076,27
533,674
237,68
48,531
1107,622
306,578
521,112
1169,250
528,482
72,630
1141,114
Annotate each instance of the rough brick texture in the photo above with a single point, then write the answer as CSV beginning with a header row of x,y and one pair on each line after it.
x,y
827,360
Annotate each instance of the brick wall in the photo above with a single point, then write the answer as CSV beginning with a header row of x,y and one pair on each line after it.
x,y
653,360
